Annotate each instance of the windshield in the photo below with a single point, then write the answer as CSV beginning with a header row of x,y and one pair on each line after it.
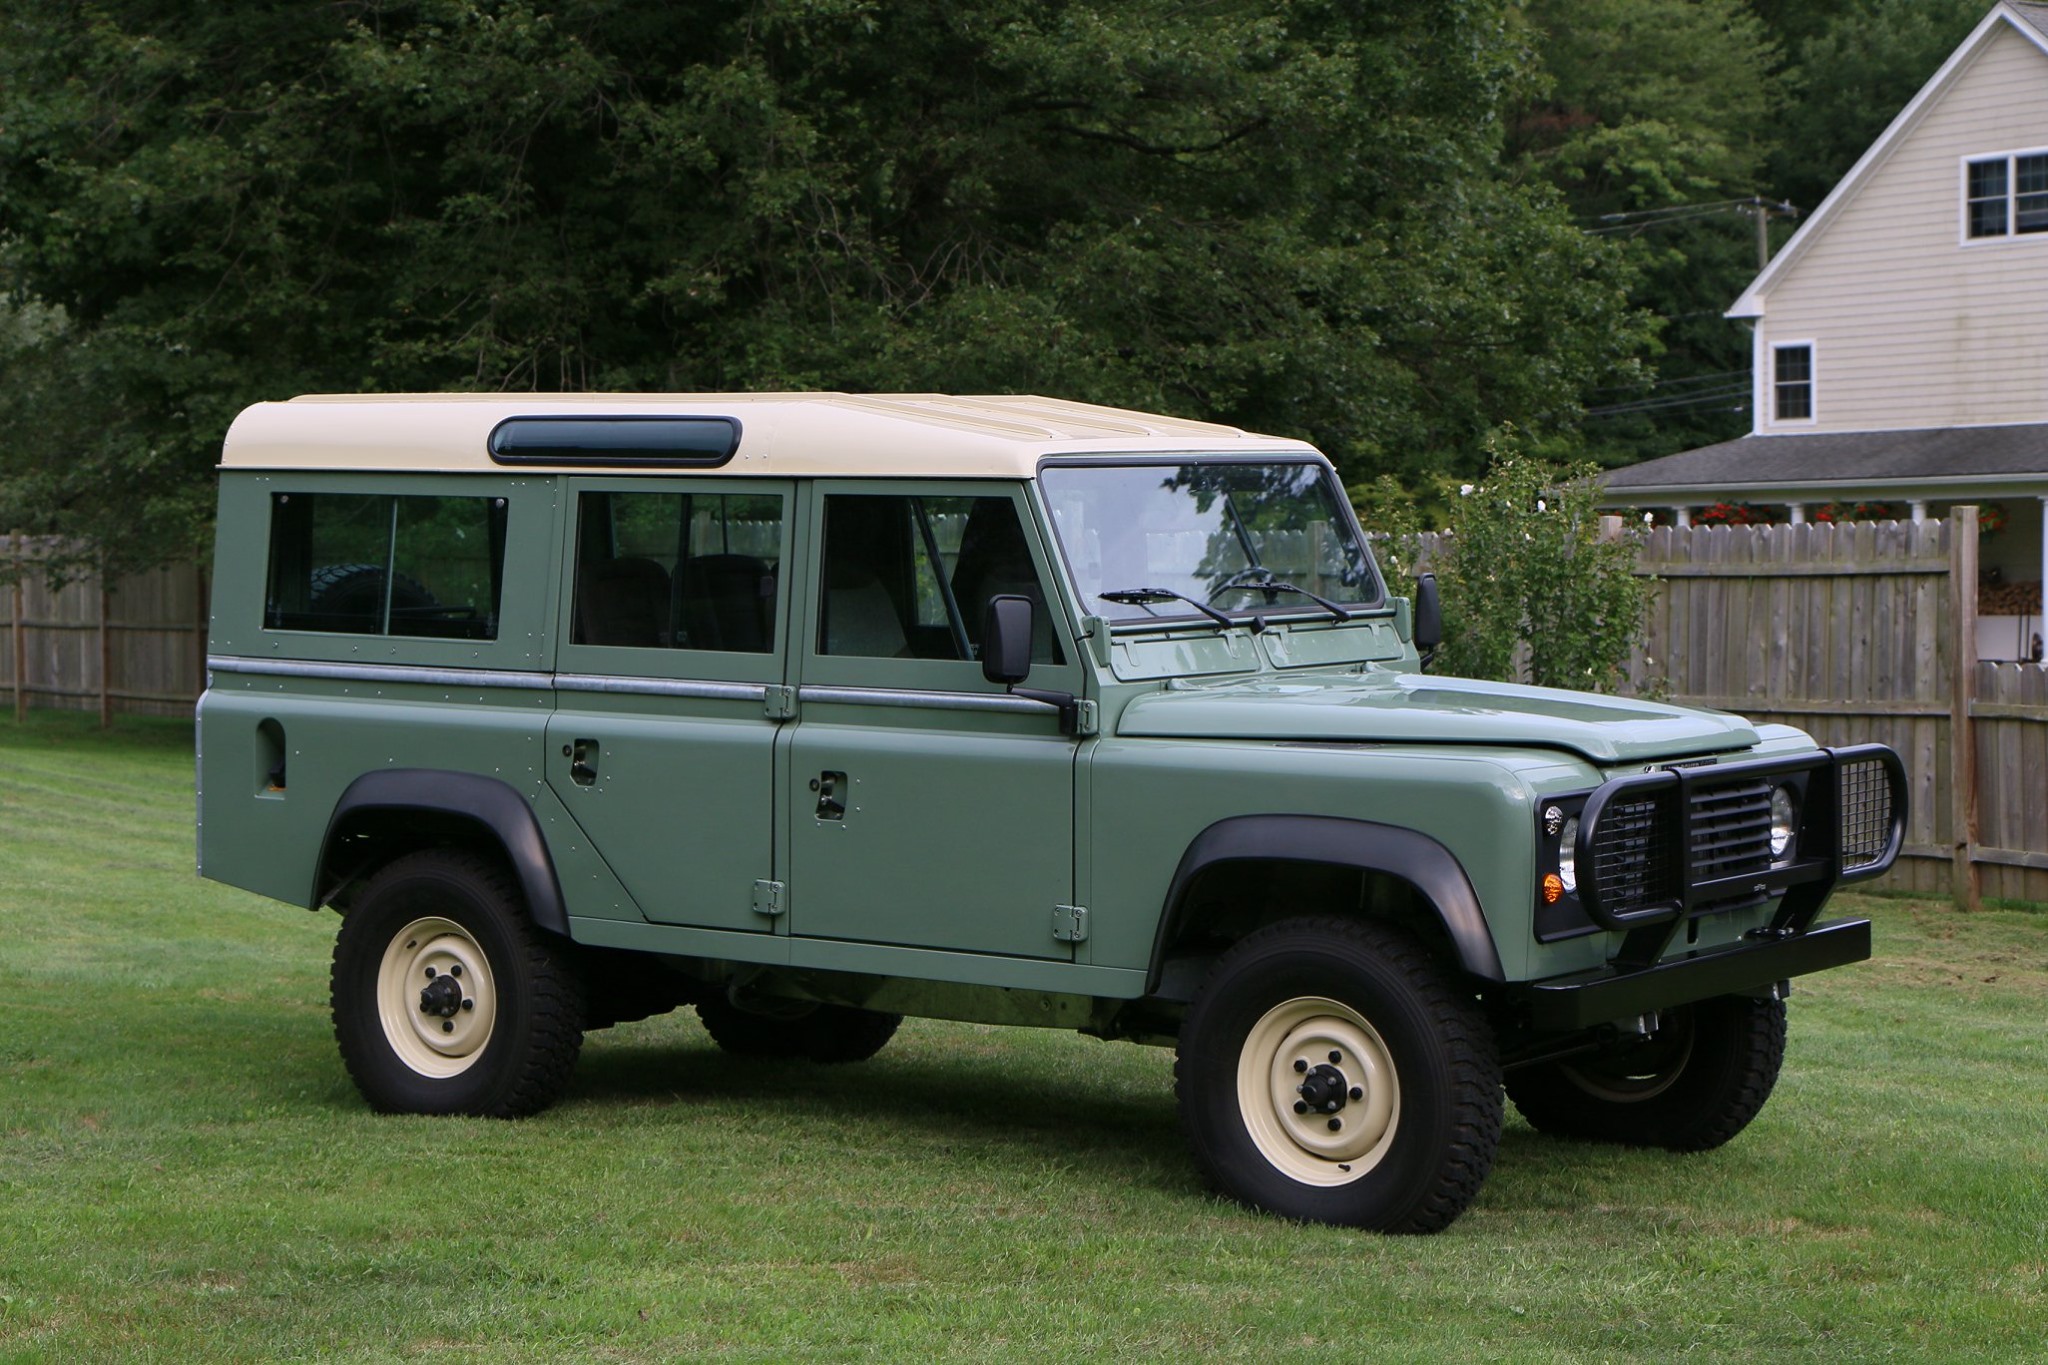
x,y
1228,535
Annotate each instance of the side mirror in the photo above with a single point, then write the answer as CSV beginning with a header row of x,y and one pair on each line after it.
x,y
1006,640
1429,617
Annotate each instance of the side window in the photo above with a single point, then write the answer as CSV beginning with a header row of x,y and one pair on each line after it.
x,y
909,577
378,564
678,570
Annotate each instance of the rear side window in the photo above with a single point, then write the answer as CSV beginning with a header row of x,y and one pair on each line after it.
x,y
678,570
379,564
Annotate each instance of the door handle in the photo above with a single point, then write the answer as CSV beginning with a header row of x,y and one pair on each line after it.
x,y
582,756
831,790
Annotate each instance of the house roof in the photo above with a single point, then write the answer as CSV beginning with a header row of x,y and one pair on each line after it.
x,y
785,434
2025,17
1934,462
2034,13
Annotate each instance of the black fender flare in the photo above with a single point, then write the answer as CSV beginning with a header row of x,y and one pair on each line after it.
x,y
1363,844
485,801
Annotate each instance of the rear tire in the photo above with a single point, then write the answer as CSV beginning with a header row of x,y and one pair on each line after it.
x,y
817,1033
1330,1071
447,999
1689,1087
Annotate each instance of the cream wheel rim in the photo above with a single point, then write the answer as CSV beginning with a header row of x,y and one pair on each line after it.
x,y
436,998
1318,1092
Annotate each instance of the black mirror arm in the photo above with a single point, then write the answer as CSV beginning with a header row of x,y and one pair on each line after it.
x,y
1069,705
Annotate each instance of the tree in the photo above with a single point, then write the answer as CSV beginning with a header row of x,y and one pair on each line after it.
x,y
1295,220
1652,117
1532,592
1852,75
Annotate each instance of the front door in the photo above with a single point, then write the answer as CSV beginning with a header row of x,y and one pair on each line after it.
x,y
925,807
662,746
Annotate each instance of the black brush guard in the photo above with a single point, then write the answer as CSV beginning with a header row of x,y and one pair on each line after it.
x,y
1661,847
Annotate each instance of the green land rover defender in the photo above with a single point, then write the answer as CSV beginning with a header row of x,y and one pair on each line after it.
x,y
812,711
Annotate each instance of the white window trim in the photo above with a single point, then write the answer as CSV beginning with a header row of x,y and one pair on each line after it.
x,y
2012,195
1770,378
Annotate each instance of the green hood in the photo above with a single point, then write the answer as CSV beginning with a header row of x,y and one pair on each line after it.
x,y
1416,708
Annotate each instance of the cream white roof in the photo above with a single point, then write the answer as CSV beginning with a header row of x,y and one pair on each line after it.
x,y
783,434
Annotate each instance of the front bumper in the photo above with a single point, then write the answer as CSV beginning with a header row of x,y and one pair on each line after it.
x,y
1583,999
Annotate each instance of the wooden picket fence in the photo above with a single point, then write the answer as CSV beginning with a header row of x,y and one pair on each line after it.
x,y
135,646
1863,632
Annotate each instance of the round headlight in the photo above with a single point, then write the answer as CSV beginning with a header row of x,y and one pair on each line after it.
x,y
1568,854
1783,814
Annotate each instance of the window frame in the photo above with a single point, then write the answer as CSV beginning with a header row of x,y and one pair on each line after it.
x,y
1771,382
932,675
640,661
524,590
2012,234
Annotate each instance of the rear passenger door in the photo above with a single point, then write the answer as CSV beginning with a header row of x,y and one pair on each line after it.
x,y
661,746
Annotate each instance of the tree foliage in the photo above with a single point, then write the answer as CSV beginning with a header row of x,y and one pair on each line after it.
x,y
1289,217
1531,590
1851,75
1653,117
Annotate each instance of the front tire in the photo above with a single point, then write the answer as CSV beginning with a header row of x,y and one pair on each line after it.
x,y
1329,1071
447,999
1689,1087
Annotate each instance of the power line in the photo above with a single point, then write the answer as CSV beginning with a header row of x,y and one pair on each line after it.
x,y
1710,398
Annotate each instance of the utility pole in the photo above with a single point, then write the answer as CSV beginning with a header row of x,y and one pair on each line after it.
x,y
1763,210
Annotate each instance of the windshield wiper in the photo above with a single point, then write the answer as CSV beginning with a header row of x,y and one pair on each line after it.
x,y
1142,597
1275,585
1259,578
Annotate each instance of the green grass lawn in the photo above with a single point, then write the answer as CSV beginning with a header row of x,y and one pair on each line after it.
x,y
186,1173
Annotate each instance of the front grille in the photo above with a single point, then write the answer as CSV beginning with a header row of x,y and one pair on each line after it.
x,y
1633,862
1663,844
1866,813
1731,833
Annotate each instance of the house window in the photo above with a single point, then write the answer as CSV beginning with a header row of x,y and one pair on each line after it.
x,y
2006,195
1792,382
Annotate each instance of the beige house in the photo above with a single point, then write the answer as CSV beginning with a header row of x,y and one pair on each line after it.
x,y
1901,336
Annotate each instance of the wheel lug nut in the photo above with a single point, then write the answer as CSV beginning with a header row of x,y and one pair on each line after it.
x,y
1300,1107
1336,1057
430,973
1299,1066
456,970
1357,1093
447,1026
471,1004
1336,1124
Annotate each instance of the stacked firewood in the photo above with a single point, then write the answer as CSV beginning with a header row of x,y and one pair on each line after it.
x,y
2008,599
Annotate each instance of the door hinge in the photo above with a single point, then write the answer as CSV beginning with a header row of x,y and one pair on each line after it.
x,y
1085,721
779,701
1070,923
768,898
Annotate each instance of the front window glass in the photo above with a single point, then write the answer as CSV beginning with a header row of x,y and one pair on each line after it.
x,y
1220,534
909,577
